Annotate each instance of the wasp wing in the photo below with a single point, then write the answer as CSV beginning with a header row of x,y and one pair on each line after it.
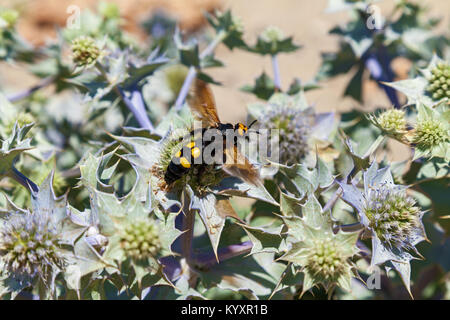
x,y
237,165
201,101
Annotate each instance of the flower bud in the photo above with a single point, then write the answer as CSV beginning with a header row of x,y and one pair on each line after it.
x,y
8,17
85,51
272,34
429,133
140,239
294,132
439,81
392,121
28,248
395,222
326,260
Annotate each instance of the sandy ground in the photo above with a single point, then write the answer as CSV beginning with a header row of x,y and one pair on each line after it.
x,y
309,24
305,20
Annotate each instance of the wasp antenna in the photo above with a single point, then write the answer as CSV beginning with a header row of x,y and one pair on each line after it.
x,y
253,122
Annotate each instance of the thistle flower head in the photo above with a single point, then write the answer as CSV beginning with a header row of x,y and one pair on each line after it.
x,y
439,81
326,259
391,121
272,34
294,130
8,18
430,133
236,24
30,246
109,10
85,51
393,216
140,239
431,137
324,256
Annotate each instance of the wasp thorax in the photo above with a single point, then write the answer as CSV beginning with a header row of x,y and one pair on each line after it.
x,y
393,216
430,133
294,131
439,81
326,259
30,246
140,239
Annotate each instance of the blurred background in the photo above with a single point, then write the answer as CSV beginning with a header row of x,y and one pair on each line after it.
x,y
306,21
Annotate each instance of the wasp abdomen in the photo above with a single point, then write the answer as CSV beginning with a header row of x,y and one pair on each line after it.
x,y
192,152
181,163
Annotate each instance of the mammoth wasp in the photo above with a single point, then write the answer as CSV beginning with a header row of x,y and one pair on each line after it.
x,y
203,107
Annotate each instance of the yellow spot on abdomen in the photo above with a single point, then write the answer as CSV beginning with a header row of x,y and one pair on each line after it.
x,y
185,163
195,152
191,144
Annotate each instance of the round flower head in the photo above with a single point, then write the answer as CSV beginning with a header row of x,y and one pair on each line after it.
x,y
140,239
439,81
430,133
294,131
85,51
236,22
8,18
326,259
393,216
392,121
109,10
272,34
29,245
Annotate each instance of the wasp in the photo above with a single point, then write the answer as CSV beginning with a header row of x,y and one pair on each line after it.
x,y
203,107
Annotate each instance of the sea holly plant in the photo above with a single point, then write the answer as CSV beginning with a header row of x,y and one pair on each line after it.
x,y
324,257
206,194
13,47
432,132
12,147
428,134
392,218
120,235
272,41
300,130
90,153
36,244
430,86
371,41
